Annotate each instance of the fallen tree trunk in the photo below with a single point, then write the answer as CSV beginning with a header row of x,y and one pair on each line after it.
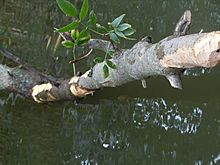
x,y
167,58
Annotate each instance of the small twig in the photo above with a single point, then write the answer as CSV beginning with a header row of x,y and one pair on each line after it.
x,y
201,31
106,53
61,34
114,46
74,57
96,32
92,30
81,58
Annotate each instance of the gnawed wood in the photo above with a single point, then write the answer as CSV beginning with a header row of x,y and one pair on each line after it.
x,y
183,24
69,89
78,91
195,50
143,60
42,93
166,58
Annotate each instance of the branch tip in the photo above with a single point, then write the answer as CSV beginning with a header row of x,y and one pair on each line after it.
x,y
175,81
183,24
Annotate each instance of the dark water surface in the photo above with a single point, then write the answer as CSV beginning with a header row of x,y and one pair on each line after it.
x,y
127,125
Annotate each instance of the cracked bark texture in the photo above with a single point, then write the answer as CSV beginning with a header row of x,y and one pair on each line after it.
x,y
166,58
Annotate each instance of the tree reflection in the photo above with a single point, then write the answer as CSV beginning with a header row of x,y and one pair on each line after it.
x,y
140,131
115,132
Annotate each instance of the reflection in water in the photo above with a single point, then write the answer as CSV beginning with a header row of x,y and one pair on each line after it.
x,y
113,139
114,132
156,112
135,132
216,159
196,71
139,131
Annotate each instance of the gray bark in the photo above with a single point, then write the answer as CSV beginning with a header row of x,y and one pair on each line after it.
x,y
166,58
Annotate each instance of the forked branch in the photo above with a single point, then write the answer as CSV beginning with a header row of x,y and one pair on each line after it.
x,y
166,58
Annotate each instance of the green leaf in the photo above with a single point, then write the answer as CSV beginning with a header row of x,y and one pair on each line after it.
x,y
84,10
83,40
111,64
67,8
120,34
83,33
83,37
67,44
105,71
117,21
111,53
74,34
131,39
114,37
92,18
123,27
68,27
98,60
129,32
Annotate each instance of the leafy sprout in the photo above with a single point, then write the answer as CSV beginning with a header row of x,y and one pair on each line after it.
x,y
85,22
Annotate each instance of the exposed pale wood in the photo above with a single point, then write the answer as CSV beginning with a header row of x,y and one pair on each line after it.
x,y
198,50
183,24
166,58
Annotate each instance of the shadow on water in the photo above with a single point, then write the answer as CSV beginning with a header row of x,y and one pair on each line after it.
x,y
127,125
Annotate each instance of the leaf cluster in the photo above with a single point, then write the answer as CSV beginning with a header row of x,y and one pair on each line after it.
x,y
120,30
83,23
108,63
78,37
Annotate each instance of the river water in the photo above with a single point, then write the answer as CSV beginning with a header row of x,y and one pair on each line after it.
x,y
126,125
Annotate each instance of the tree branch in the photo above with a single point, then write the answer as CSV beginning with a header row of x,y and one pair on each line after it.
x,y
27,66
166,58
183,24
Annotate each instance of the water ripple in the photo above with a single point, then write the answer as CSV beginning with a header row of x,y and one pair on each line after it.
x,y
157,112
196,71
